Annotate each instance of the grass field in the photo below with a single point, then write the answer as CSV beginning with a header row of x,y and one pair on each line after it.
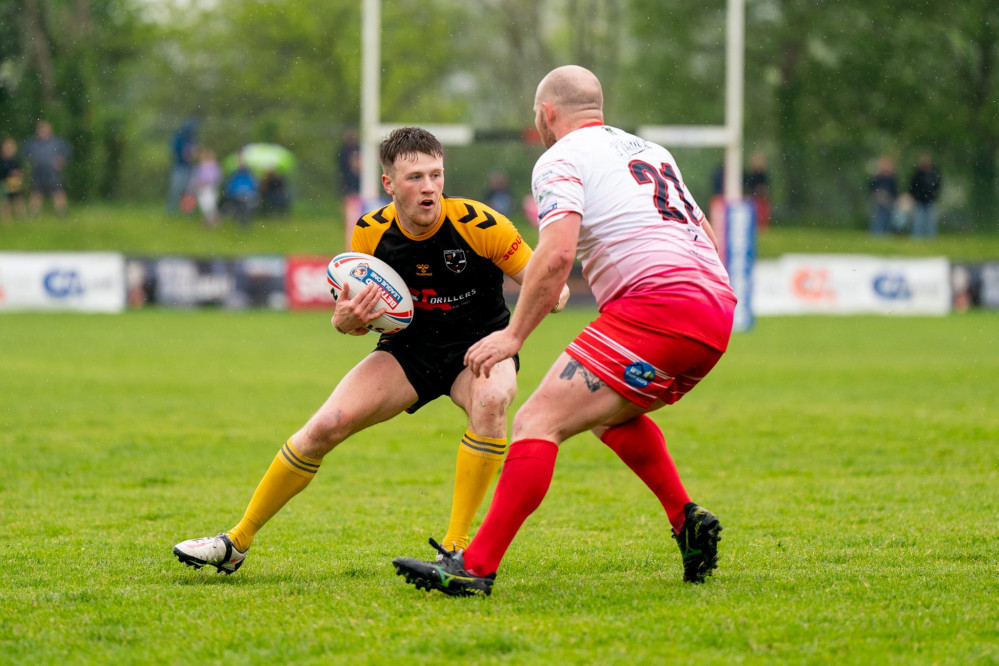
x,y
317,228
851,460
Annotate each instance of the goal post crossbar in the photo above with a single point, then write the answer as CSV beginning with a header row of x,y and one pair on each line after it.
x,y
727,136
695,136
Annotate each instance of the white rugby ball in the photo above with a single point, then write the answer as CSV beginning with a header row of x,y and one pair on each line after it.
x,y
359,270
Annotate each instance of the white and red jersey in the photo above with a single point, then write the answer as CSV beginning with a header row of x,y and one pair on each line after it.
x,y
641,228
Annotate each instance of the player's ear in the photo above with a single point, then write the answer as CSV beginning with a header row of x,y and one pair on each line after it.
x,y
387,184
548,109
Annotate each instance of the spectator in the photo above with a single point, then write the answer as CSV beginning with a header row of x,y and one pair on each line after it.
x,y
349,163
47,155
11,181
902,218
757,187
718,180
924,188
274,197
884,192
241,193
183,150
206,183
497,194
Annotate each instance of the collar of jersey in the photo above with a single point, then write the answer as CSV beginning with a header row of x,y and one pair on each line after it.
x,y
431,231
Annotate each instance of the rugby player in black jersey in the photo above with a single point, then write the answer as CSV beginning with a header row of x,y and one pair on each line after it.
x,y
454,255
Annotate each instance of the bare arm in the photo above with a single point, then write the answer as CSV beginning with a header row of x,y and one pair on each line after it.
x,y
711,234
563,297
543,285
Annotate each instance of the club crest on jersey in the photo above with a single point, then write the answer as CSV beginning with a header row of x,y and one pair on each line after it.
x,y
639,374
455,260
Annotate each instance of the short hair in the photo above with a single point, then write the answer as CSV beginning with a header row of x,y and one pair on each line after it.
x,y
407,141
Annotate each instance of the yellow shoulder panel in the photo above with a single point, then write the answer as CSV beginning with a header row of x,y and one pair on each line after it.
x,y
491,234
370,228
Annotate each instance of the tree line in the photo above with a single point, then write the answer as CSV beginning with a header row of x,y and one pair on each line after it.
x,y
829,86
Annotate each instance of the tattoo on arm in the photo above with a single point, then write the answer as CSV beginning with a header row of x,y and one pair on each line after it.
x,y
593,383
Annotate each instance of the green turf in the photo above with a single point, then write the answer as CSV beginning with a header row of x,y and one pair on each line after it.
x,y
146,229
316,227
851,460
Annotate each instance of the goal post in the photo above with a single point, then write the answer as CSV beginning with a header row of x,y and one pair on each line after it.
x,y
727,136
730,221
734,219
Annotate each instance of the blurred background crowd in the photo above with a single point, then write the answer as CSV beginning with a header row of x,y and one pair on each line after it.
x,y
152,101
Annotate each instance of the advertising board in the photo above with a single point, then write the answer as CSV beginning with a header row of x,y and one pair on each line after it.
x,y
851,284
84,282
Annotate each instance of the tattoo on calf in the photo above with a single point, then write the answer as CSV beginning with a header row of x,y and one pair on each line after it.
x,y
593,383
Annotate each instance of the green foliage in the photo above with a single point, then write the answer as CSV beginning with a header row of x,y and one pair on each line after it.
x,y
289,73
62,62
829,87
855,79
676,72
858,513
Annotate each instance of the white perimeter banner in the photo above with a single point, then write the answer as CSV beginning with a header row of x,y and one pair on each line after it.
x,y
85,282
851,284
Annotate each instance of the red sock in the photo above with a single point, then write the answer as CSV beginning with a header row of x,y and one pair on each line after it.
x,y
527,473
642,447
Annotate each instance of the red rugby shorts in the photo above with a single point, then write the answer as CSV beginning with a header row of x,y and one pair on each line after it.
x,y
634,346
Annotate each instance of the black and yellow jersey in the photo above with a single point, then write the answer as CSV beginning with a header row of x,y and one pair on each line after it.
x,y
454,271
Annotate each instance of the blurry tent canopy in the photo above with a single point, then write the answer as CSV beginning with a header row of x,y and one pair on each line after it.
x,y
261,158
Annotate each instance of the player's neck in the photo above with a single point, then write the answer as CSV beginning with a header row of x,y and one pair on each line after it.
x,y
415,229
583,121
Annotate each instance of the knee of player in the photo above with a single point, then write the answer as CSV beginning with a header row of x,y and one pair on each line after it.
x,y
492,400
532,422
327,429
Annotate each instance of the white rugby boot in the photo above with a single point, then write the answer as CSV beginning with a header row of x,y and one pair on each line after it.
x,y
217,551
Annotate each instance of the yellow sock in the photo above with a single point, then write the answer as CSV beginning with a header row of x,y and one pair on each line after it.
x,y
286,477
478,460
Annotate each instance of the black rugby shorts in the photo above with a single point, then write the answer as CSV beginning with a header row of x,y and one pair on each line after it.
x,y
430,366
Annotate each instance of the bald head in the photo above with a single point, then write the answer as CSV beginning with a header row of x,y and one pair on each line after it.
x,y
568,98
573,89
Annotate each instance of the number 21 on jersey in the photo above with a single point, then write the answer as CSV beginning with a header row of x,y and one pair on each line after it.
x,y
662,179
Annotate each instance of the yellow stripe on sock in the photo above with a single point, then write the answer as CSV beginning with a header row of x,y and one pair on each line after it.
x,y
297,462
485,447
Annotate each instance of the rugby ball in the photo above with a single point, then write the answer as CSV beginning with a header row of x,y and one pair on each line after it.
x,y
359,270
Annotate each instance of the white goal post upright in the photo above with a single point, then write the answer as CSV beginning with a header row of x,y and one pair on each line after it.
x,y
373,130
735,219
371,82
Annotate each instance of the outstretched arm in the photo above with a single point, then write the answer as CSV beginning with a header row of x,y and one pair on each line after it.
x,y
540,293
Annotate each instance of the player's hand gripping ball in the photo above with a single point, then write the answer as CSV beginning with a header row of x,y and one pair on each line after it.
x,y
359,270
